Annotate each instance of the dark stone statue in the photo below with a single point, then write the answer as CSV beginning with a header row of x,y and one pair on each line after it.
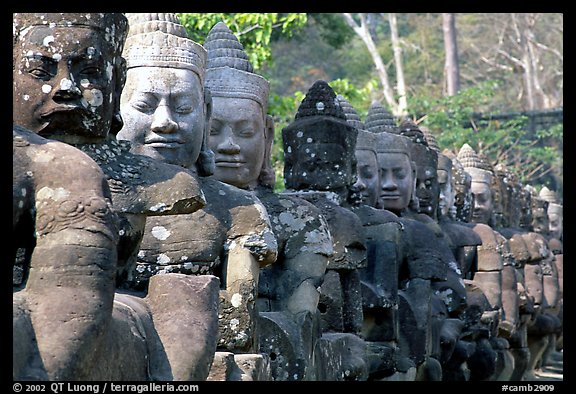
x,y
320,167
68,75
383,232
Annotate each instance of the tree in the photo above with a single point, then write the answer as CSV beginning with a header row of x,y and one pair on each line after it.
x,y
451,66
254,30
522,51
361,28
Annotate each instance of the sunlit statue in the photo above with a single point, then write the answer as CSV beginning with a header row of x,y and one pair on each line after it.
x,y
167,116
546,324
555,236
241,137
496,274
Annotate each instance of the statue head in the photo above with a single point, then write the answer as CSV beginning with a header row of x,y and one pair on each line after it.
x,y
426,159
319,145
164,105
241,132
555,212
68,74
510,197
540,222
481,185
462,184
367,186
397,170
446,185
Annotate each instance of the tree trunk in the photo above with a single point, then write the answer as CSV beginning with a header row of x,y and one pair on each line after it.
x,y
363,32
400,82
451,66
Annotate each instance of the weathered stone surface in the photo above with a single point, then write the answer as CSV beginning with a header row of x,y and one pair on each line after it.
x,y
490,282
414,310
229,367
184,312
339,357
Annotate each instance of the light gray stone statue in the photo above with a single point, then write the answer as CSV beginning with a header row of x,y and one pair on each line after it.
x,y
241,137
167,116
496,274
547,323
556,230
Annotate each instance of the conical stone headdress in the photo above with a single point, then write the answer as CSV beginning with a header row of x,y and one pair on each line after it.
x,y
352,116
160,40
319,119
365,139
554,205
430,139
474,165
229,72
379,120
548,195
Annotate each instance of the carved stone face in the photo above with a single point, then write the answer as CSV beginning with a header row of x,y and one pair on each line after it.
x,y
483,207
368,182
164,114
321,166
427,189
556,226
447,195
64,83
237,138
396,181
540,221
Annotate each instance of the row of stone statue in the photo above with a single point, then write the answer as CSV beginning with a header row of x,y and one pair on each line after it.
x,y
150,245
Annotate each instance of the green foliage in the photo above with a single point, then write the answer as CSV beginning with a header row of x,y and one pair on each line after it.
x,y
455,120
333,29
254,30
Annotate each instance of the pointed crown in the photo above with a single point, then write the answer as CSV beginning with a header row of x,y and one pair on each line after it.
x,y
229,72
379,119
160,40
474,165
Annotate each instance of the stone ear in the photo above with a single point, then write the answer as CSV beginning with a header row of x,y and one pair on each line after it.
x,y
267,176
205,163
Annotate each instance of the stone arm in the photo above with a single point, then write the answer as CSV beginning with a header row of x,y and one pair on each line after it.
x,y
305,246
251,245
70,286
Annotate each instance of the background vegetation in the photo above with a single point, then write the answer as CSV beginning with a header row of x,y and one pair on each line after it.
x,y
508,64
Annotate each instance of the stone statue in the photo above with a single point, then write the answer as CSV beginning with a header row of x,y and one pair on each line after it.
x,y
546,324
496,274
241,136
379,279
555,236
68,75
420,263
167,116
320,166
64,193
509,190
